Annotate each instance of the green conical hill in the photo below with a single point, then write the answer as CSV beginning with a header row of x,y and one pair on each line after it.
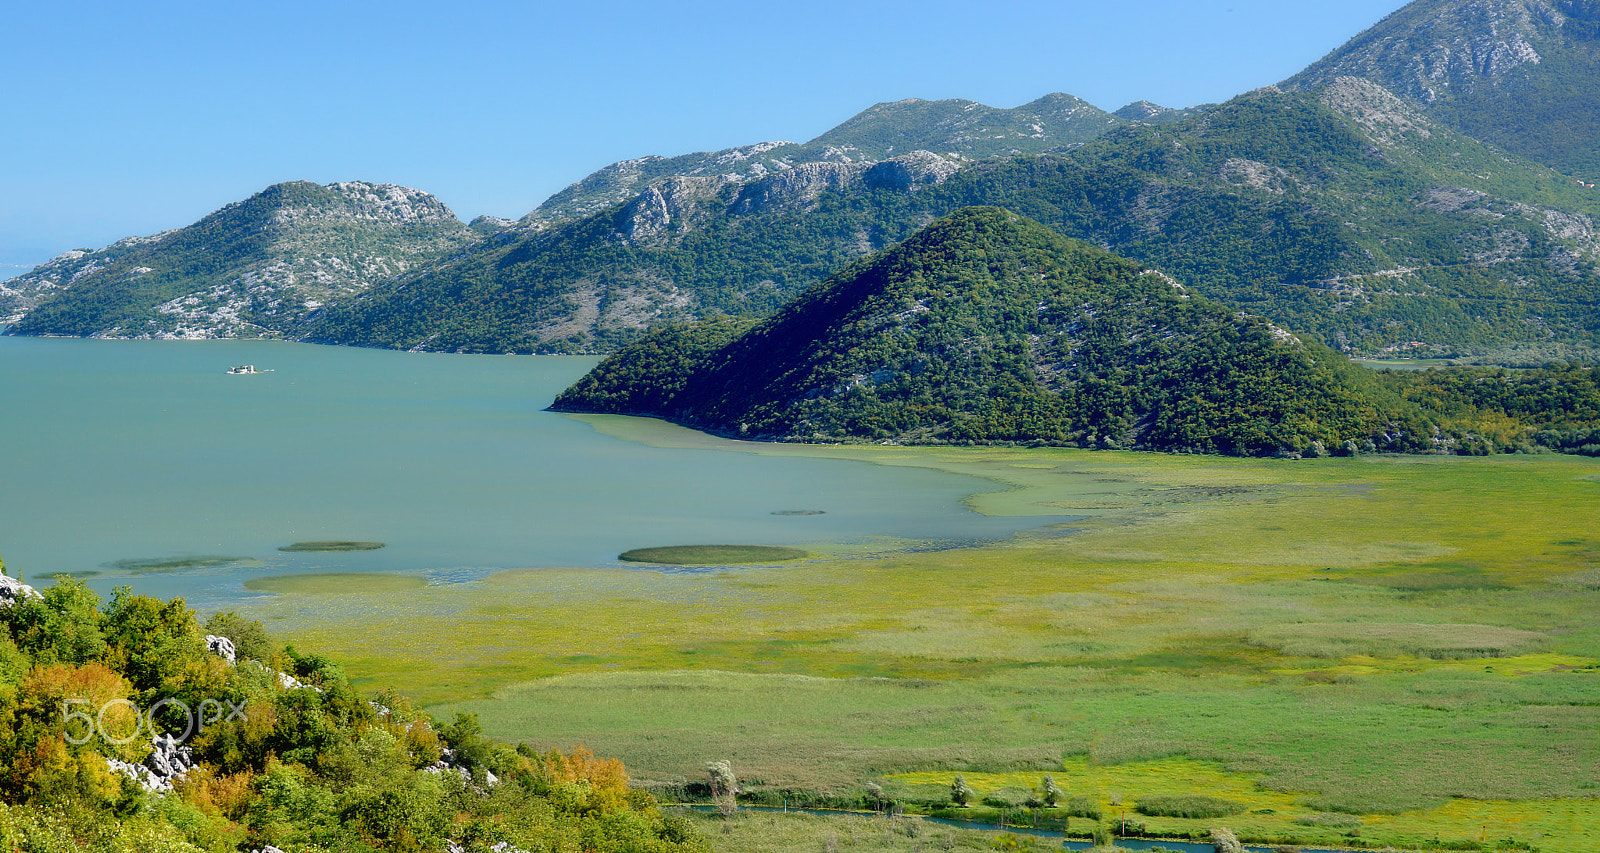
x,y
988,326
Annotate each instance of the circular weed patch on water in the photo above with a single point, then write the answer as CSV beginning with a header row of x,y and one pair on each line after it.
x,y
336,582
711,555
332,545
172,564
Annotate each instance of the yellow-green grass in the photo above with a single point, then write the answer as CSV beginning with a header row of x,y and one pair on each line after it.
x,y
752,831
1273,816
1386,633
711,555
332,545
336,582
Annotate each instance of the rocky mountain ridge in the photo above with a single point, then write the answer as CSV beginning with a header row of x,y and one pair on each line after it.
x,y
137,288
1347,213
955,128
255,268
589,284
1522,74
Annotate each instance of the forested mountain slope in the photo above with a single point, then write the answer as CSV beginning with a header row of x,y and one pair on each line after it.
x,y
1344,213
986,326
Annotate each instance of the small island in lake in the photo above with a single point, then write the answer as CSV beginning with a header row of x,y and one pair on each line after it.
x,y
711,555
332,545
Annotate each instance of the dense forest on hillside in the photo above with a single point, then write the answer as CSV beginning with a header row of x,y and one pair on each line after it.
x,y
284,750
987,327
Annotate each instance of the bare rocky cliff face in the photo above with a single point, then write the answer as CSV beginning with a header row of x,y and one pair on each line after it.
x,y
1522,74
255,268
1432,50
954,129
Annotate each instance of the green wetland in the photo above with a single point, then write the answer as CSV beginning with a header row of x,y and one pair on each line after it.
x,y
1360,652
1381,650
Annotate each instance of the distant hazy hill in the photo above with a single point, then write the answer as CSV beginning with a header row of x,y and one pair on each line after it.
x,y
1522,74
257,267
1344,212
986,326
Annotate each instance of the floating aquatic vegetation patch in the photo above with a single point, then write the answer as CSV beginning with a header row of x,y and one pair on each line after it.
x,y
332,545
711,555
336,582
170,564
799,512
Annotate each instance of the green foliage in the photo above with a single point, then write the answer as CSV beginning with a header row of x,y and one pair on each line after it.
x,y
155,644
651,375
63,625
250,640
302,768
960,792
1050,794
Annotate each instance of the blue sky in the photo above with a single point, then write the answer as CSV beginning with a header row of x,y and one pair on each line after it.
x,y
123,118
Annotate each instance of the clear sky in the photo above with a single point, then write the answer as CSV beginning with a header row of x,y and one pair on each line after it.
x,y
121,118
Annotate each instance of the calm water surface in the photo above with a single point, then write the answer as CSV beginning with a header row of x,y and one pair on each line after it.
x,y
115,451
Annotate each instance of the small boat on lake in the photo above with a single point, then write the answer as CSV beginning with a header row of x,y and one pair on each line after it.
x,y
245,369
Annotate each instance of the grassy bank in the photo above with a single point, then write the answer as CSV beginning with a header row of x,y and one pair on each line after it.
x,y
1409,640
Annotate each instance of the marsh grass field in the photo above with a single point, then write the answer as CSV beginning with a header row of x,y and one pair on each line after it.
x,y
1406,644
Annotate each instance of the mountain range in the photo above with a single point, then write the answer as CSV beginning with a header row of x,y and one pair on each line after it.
x,y
1358,204
1521,74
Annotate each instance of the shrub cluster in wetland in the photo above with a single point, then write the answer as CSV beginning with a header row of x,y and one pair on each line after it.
x,y
1189,805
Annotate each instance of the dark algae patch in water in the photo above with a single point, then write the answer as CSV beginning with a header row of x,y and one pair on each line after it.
x,y
711,555
799,512
169,564
336,582
332,545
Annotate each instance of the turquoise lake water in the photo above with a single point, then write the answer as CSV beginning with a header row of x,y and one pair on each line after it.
x,y
114,453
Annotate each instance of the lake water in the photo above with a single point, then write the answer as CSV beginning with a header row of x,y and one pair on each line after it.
x,y
119,451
